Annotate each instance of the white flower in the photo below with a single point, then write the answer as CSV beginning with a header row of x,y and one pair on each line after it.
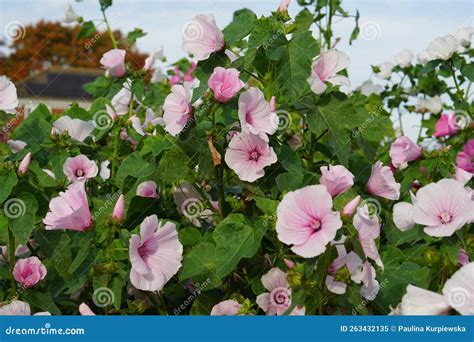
x,y
104,172
385,70
158,76
77,129
403,216
404,58
433,105
368,87
423,57
8,96
442,47
70,16
150,121
464,35
16,145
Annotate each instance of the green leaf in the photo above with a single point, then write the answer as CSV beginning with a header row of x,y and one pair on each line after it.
x,y
8,180
189,236
87,30
104,4
200,261
468,71
44,180
242,24
134,35
234,241
21,212
289,181
35,128
134,165
173,166
156,144
289,158
44,301
266,205
83,252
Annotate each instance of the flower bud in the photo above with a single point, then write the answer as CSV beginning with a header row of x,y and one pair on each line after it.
x,y
118,213
24,164
431,257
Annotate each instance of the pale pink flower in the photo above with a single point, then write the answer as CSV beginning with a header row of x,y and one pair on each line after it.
x,y
80,168
226,308
201,37
461,175
149,61
24,164
354,265
8,96
382,183
19,308
283,5
114,62
85,310
147,189
119,209
150,121
290,264
351,207
463,257
70,210
465,158
28,272
325,69
16,145
337,179
298,311
305,219
247,155
177,109
255,114
403,150
225,83
188,76
278,298
77,129
155,254
403,216
120,102
369,229
446,125
443,207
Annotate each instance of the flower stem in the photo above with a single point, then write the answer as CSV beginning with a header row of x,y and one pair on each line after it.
x,y
109,30
11,258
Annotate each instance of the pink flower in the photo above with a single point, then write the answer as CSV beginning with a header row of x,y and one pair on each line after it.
x,y
149,61
85,310
155,254
337,179
305,220
177,109
118,212
278,298
247,155
351,206
225,83
403,216
463,257
461,175
24,164
188,76
120,103
443,207
177,77
28,272
404,150
69,210
255,114
77,129
325,69
114,62
150,121
19,308
283,5
226,308
147,189
290,264
369,230
382,183
446,125
8,96
354,265
465,158
80,168
16,145
201,37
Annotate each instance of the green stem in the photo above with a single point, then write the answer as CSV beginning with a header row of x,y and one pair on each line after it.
x,y
219,173
459,92
109,30
328,27
11,258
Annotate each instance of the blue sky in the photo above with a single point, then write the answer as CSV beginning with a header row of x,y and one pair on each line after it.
x,y
398,24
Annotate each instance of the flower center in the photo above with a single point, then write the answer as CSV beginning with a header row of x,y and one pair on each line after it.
x,y
445,217
315,225
254,155
280,297
79,173
248,118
